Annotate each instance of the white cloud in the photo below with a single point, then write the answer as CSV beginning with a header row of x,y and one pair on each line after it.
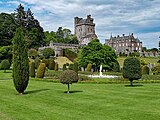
x,y
117,17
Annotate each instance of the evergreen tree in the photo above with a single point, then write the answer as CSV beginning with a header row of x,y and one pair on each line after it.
x,y
20,62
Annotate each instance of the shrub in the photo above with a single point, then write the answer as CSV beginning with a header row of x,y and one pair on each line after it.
x,y
32,53
48,52
71,66
89,67
132,69
5,65
41,70
37,62
116,67
56,67
64,67
20,61
70,54
46,61
32,69
156,70
51,64
68,77
75,67
145,70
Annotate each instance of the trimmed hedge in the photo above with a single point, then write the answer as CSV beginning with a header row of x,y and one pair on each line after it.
x,y
37,62
46,61
41,70
5,64
156,70
51,64
145,70
89,67
70,54
56,67
32,69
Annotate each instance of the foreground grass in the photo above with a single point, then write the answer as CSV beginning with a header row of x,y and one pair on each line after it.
x,y
47,101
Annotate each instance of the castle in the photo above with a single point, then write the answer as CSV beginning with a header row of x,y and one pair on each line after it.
x,y
124,43
84,29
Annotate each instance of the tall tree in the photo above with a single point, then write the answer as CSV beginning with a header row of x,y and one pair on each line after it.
x,y
20,61
33,30
97,54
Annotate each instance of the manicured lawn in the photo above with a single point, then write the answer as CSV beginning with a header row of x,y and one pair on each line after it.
x,y
47,101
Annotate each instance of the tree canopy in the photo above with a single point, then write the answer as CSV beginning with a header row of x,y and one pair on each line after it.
x,y
97,54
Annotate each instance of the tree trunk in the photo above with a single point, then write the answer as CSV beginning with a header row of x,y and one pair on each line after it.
x,y
131,82
68,89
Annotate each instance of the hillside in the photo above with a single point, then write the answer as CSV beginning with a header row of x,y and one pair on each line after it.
x,y
62,60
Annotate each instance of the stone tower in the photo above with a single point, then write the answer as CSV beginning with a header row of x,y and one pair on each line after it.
x,y
84,29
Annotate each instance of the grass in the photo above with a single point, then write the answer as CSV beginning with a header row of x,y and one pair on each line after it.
x,y
152,60
47,101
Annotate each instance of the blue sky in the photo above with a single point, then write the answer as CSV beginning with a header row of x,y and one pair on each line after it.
x,y
116,17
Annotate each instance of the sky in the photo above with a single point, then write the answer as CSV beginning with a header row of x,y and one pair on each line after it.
x,y
116,17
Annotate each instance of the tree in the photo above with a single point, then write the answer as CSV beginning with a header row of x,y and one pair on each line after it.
x,y
132,69
5,64
97,54
7,29
6,53
20,62
69,77
48,52
33,30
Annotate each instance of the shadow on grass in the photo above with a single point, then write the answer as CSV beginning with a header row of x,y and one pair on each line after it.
x,y
73,91
35,91
133,85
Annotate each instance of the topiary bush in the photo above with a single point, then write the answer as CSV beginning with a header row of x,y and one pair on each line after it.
x,y
56,67
75,67
145,70
41,70
68,77
71,66
89,67
156,70
64,67
5,64
20,61
32,69
51,64
132,69
46,61
116,67
37,62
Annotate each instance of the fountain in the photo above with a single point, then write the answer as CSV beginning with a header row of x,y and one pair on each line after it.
x,y
101,75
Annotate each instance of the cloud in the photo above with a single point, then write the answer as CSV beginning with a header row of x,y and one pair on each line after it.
x,y
117,17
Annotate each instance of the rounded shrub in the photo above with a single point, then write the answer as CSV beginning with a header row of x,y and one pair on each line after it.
x,y
5,64
48,52
51,64
89,67
68,77
145,70
132,69
71,66
41,70
32,69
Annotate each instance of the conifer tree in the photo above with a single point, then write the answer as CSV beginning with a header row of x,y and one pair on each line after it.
x,y
20,62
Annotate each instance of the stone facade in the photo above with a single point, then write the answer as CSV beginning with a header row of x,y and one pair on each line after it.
x,y
58,47
125,43
84,29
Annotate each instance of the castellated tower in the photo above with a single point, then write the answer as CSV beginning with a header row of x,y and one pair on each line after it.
x,y
84,29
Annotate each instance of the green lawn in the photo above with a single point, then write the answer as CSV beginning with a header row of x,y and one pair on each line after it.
x,y
47,101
